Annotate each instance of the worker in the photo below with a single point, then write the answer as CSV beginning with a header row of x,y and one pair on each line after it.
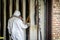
x,y
10,22
17,27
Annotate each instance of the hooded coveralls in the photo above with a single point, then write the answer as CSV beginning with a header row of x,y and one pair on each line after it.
x,y
18,28
10,22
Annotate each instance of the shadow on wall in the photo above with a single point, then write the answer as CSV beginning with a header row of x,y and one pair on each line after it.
x,y
0,17
0,28
0,24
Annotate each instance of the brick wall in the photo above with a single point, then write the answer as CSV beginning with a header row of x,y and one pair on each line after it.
x,y
55,19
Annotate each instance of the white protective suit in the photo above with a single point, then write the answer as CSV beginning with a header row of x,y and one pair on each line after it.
x,y
17,27
10,21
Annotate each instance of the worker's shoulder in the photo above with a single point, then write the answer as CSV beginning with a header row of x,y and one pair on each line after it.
x,y
10,19
17,20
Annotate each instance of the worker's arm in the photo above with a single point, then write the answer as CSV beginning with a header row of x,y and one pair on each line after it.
x,y
21,24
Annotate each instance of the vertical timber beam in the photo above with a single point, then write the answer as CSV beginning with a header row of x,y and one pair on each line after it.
x,y
33,28
37,17
4,30
17,4
24,10
39,28
0,17
10,7
41,21
24,14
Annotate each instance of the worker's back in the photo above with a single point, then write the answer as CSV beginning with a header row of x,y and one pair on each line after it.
x,y
18,29
10,21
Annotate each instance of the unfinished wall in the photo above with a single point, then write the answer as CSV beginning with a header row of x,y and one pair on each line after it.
x,y
41,21
7,9
33,27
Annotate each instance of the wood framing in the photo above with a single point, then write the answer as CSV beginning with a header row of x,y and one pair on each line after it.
x,y
10,7
33,27
17,4
4,32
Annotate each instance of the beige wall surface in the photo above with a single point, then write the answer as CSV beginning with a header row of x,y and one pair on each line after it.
x,y
55,19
